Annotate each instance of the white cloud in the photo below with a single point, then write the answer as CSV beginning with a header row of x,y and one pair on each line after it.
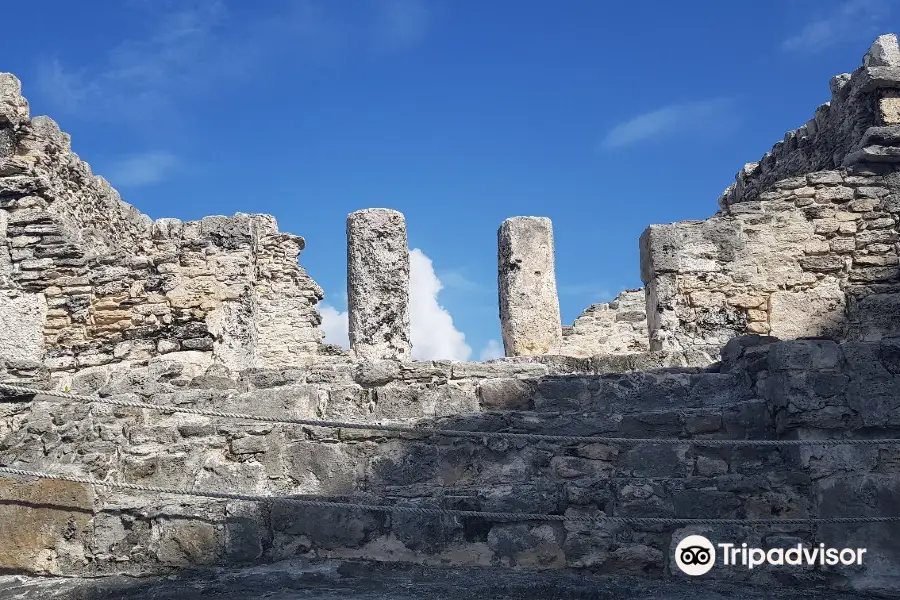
x,y
845,20
335,326
716,114
142,169
493,349
432,332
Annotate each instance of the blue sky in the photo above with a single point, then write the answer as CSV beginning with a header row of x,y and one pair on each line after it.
x,y
605,117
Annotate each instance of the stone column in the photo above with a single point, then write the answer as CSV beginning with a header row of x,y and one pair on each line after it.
x,y
378,285
529,307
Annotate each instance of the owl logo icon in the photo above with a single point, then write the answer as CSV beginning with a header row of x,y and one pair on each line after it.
x,y
695,555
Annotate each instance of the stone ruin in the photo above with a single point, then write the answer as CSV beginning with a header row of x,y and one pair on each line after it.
x,y
776,318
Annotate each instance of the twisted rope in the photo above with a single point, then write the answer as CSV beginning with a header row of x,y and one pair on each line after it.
x,y
527,437
444,512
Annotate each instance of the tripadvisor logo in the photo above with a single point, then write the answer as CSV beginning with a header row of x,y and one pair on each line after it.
x,y
696,555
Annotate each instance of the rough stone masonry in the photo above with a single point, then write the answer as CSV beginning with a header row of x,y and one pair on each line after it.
x,y
806,239
87,281
217,314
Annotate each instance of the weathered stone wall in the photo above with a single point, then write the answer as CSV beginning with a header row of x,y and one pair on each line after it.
x,y
617,327
792,253
805,259
835,134
762,389
89,280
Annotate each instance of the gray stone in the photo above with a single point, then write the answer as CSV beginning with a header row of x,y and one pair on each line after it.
x,y
528,546
328,528
883,53
506,394
22,319
375,372
378,285
529,306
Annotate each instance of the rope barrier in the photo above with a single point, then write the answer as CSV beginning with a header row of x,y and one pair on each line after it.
x,y
416,510
527,437
491,515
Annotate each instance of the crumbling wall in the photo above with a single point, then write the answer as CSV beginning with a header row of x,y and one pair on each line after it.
x,y
762,389
91,281
792,253
834,135
617,327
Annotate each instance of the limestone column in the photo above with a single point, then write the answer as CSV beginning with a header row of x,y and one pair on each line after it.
x,y
529,306
378,285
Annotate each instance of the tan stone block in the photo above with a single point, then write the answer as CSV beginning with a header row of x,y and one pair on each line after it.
x,y
818,311
59,323
834,194
37,518
816,247
825,226
106,304
757,315
890,111
111,316
77,290
758,327
747,301
876,260
707,299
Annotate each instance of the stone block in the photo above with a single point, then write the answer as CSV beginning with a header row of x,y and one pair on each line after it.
x,y
811,355
182,540
22,319
883,53
819,311
874,317
378,285
323,468
506,394
889,110
529,305
38,519
863,495
535,546
660,248
326,528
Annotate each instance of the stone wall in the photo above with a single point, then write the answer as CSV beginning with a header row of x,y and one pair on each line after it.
x,y
761,390
89,280
617,327
835,135
792,253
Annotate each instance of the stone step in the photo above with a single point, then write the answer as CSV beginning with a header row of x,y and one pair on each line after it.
x,y
634,392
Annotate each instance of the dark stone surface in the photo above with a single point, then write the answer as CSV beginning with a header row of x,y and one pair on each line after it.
x,y
366,581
